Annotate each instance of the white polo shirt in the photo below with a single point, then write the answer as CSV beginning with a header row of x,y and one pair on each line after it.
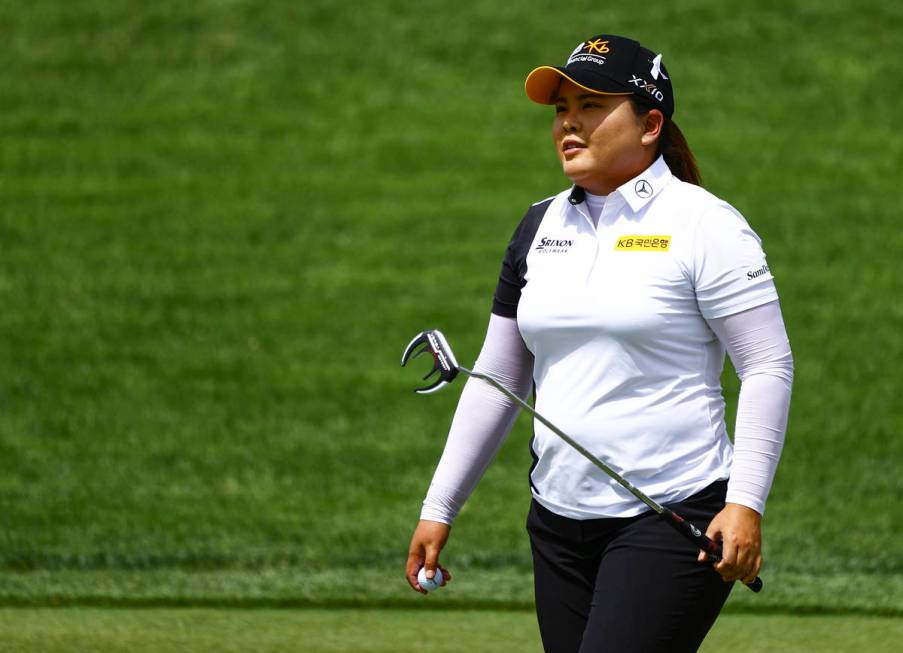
x,y
615,316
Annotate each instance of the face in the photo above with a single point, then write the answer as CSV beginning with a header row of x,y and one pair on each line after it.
x,y
600,141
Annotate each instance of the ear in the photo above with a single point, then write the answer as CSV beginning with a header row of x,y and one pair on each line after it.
x,y
653,122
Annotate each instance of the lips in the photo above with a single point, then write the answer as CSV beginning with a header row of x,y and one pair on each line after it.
x,y
572,146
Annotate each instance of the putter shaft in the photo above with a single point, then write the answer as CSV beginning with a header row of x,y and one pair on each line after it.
x,y
445,367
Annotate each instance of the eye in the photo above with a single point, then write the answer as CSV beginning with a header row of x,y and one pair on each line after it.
x,y
592,105
560,108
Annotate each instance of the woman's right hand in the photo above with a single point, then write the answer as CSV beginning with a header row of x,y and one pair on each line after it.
x,y
426,544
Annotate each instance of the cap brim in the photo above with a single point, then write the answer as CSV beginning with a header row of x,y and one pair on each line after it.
x,y
542,84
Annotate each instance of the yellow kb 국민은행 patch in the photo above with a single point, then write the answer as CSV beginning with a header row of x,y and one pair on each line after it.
x,y
643,243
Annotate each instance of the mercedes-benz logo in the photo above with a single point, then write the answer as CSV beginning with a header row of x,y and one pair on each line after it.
x,y
643,189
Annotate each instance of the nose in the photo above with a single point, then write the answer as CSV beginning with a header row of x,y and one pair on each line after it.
x,y
570,124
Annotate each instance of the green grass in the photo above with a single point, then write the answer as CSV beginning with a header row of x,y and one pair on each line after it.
x,y
499,588
221,221
395,631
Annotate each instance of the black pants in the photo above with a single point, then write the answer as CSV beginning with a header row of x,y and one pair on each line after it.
x,y
624,585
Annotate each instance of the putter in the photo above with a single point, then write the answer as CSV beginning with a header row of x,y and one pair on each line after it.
x,y
447,368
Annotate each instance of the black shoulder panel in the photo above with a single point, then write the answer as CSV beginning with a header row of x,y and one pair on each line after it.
x,y
514,266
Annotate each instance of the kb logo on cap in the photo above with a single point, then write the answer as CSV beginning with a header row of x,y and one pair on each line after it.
x,y
598,45
590,51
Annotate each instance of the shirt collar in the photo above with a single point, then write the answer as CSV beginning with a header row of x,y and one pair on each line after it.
x,y
639,190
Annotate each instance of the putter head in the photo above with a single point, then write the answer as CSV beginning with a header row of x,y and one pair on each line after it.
x,y
444,362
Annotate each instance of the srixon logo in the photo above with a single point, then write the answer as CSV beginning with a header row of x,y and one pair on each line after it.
x,y
553,245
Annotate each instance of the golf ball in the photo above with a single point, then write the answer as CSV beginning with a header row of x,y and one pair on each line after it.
x,y
429,584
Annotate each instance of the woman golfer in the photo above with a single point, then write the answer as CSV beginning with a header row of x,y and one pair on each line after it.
x,y
616,302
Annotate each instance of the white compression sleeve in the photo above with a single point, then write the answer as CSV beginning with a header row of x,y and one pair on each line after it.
x,y
757,343
482,420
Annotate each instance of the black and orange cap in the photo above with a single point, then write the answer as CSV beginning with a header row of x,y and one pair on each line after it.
x,y
608,65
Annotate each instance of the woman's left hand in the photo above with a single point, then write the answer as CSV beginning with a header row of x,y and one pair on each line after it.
x,y
738,528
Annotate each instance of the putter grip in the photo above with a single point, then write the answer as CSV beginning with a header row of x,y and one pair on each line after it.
x,y
699,538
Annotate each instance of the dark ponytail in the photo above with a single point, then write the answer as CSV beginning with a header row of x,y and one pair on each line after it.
x,y
672,146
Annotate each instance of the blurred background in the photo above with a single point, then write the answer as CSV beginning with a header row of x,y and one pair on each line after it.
x,y
221,221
